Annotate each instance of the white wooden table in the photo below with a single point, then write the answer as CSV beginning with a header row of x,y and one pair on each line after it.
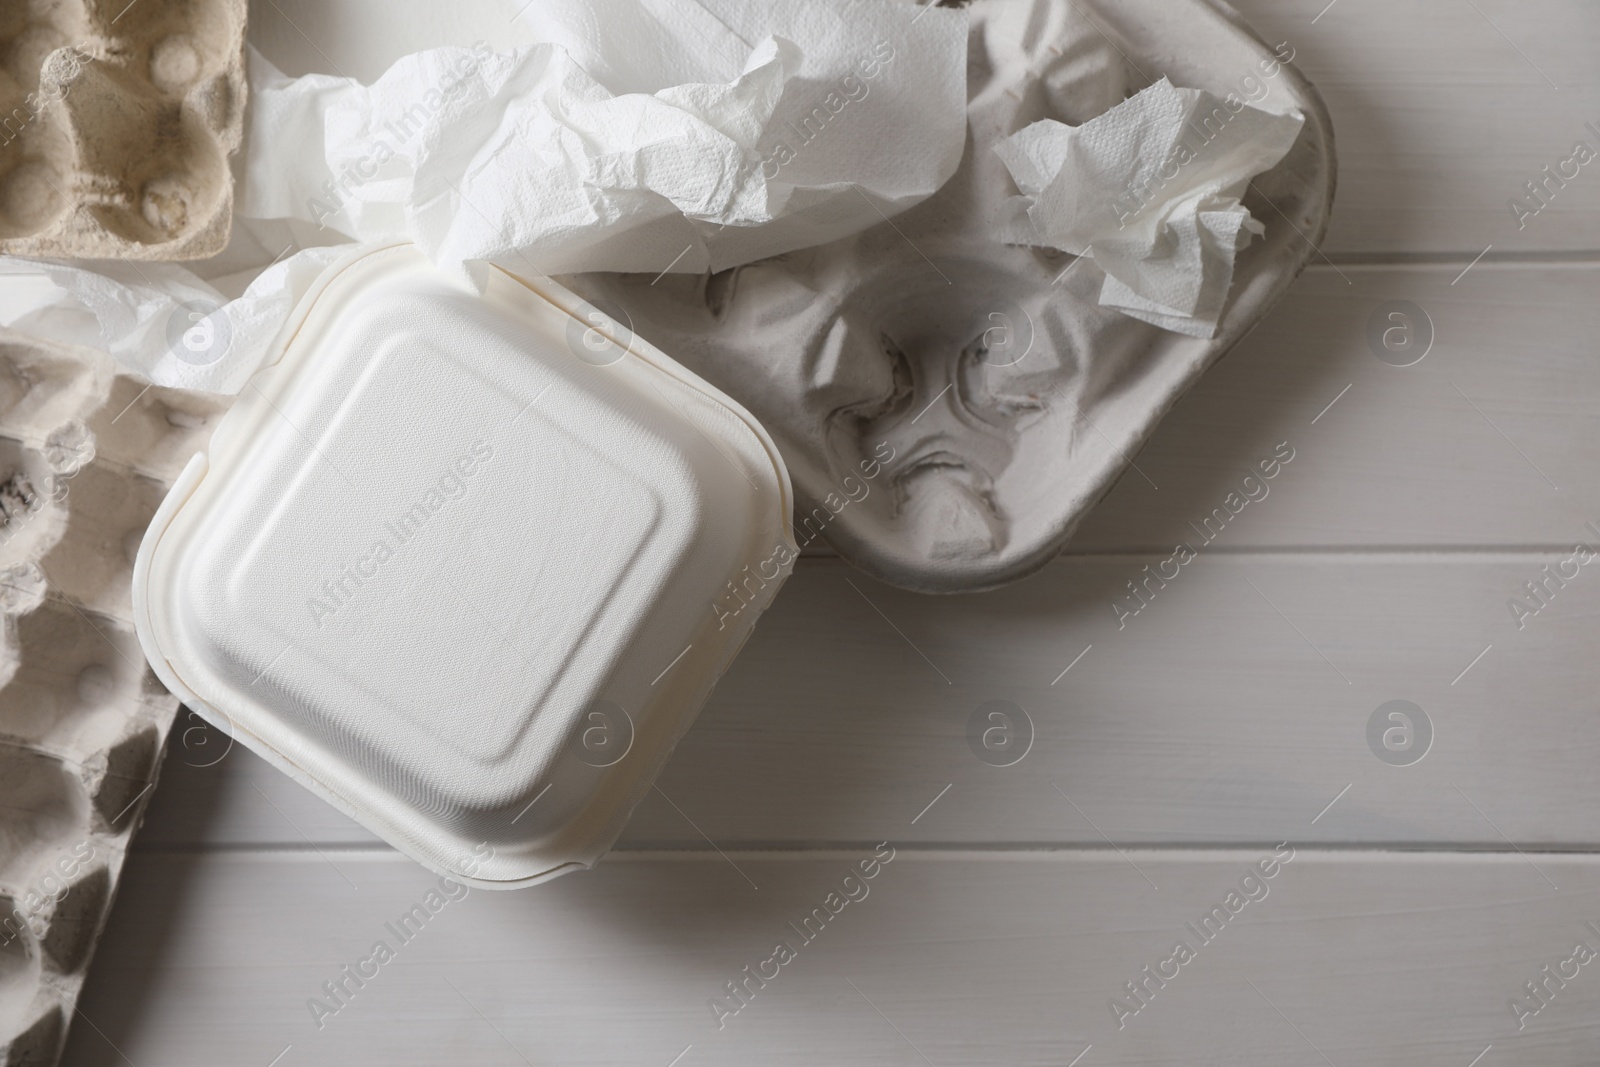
x,y
1171,758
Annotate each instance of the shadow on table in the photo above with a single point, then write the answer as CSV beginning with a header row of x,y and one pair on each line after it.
x,y
150,900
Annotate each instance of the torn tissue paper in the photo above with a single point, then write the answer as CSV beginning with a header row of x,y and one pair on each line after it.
x,y
634,135
165,322
1150,191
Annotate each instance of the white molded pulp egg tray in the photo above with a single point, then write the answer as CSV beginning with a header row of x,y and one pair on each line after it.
x,y
869,358
466,566
85,456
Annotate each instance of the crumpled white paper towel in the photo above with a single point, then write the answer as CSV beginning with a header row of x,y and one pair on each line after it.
x,y
168,324
1150,191
637,135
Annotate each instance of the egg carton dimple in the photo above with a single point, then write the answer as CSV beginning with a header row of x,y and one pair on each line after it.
x,y
117,121
85,458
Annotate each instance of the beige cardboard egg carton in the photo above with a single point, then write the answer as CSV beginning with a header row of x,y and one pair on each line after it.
x,y
117,121
85,458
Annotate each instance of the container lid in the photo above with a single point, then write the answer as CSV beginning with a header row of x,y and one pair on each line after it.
x,y
465,565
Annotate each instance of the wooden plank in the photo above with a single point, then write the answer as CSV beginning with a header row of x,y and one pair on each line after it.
x,y
1442,111
1231,709
1493,438
947,959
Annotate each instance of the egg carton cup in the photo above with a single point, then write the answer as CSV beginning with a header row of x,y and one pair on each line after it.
x,y
85,458
117,122
923,447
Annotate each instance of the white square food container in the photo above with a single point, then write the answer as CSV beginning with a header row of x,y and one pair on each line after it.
x,y
466,566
